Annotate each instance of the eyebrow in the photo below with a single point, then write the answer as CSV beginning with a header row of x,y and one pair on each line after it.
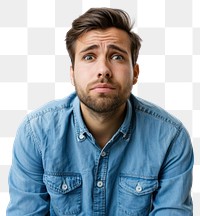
x,y
114,47
110,46
92,47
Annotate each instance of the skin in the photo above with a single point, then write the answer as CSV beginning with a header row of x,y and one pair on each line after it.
x,y
103,76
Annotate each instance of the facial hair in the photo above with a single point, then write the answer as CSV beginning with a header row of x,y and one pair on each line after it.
x,y
103,103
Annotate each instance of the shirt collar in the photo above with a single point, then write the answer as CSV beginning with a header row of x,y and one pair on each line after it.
x,y
125,127
79,123
81,127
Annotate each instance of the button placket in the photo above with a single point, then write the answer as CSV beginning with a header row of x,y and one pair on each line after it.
x,y
99,192
103,154
100,184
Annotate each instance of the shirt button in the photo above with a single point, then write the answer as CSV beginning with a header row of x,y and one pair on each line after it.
x,y
138,188
64,186
103,154
81,136
99,184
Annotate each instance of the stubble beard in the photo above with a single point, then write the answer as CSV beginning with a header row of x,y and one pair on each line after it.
x,y
103,103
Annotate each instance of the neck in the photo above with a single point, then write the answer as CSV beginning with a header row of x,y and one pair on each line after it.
x,y
103,125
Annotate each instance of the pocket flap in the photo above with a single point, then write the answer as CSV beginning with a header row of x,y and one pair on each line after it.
x,y
63,183
137,185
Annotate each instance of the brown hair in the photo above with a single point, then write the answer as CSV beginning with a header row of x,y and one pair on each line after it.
x,y
102,18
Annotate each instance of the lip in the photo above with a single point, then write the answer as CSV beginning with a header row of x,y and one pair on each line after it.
x,y
102,88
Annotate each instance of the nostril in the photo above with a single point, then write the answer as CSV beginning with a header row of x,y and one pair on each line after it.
x,y
99,75
105,74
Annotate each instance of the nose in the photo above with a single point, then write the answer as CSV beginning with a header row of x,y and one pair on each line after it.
x,y
103,69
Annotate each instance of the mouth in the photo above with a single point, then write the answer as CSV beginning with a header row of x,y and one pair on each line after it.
x,y
102,88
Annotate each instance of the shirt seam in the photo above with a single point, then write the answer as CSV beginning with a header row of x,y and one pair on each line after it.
x,y
65,104
34,138
46,111
158,116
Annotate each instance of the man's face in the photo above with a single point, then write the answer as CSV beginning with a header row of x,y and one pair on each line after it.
x,y
103,72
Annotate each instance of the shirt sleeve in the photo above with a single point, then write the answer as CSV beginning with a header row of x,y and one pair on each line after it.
x,y
173,196
28,194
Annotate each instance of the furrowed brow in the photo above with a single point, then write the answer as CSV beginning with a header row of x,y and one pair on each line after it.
x,y
92,47
114,47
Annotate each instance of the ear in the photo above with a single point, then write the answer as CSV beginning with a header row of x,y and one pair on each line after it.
x,y
136,72
72,75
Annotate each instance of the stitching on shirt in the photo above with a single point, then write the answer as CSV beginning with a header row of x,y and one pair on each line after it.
x,y
158,116
35,140
66,104
62,174
139,176
172,144
156,111
45,111
175,138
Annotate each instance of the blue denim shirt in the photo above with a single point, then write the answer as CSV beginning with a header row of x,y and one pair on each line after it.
x,y
58,168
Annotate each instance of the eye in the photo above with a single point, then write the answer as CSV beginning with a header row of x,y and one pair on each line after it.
x,y
117,57
88,57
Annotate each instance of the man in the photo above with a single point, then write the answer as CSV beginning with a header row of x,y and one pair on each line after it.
x,y
101,151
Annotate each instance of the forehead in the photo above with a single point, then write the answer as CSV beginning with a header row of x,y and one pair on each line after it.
x,y
104,37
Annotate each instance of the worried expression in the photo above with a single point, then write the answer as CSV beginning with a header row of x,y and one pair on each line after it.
x,y
103,73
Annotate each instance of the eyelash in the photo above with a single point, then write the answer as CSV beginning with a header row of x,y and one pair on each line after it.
x,y
117,55
91,56
88,55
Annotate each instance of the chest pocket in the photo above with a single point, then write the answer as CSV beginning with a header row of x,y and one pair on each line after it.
x,y
65,193
135,195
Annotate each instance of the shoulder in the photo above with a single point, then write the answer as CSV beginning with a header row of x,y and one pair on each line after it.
x,y
52,116
153,112
55,106
56,111
159,125
46,123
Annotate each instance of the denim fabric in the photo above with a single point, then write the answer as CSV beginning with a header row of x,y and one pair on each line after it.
x,y
58,168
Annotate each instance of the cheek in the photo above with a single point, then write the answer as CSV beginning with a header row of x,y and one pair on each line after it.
x,y
80,70
80,79
127,82
125,75
84,73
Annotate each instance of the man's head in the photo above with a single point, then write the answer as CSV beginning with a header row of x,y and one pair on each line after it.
x,y
103,52
102,18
